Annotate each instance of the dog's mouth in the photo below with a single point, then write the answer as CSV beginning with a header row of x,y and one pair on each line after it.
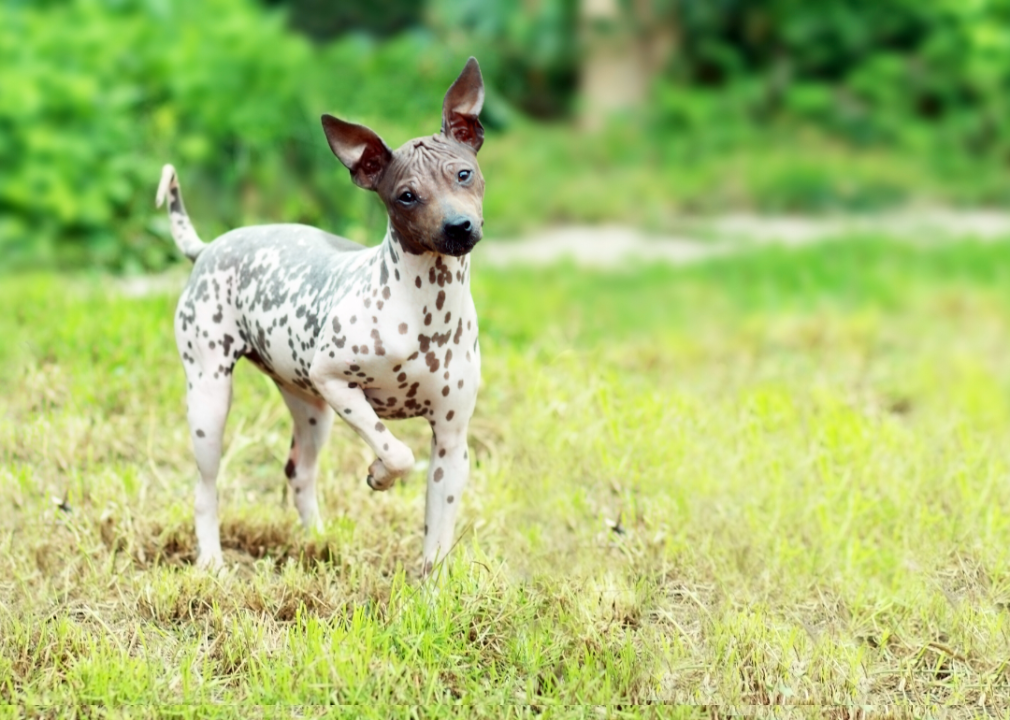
x,y
457,247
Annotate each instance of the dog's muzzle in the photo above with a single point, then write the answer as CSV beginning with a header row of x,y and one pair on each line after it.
x,y
459,236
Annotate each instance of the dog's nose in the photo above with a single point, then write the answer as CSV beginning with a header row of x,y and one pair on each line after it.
x,y
458,228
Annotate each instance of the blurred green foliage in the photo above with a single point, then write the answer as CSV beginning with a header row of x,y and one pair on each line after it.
x,y
930,76
97,94
772,105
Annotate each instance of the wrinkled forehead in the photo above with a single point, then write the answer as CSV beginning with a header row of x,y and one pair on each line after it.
x,y
427,157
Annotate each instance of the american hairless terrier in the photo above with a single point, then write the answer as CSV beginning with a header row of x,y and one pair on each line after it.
x,y
369,334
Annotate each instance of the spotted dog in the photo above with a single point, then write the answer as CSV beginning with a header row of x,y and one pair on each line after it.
x,y
369,334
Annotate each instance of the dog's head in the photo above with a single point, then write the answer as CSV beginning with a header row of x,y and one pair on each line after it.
x,y
432,186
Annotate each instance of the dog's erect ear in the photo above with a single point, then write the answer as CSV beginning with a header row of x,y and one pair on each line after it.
x,y
462,105
359,149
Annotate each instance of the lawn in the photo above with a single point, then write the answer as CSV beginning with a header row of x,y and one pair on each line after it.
x,y
780,477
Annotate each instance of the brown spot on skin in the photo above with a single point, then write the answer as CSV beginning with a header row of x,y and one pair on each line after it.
x,y
451,499
459,332
417,282
312,421
441,452
401,377
448,317
200,433
403,328
354,319
448,357
460,384
352,385
379,427
432,361
397,368
379,348
368,302
431,275
450,415
445,391
289,469
378,305
385,446
355,368
439,473
426,528
446,376
440,300
412,356
427,319
385,293
428,567
413,390
347,411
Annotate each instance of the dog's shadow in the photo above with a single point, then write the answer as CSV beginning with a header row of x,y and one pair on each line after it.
x,y
246,544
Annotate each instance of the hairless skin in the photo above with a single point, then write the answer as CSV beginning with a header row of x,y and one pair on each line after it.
x,y
367,334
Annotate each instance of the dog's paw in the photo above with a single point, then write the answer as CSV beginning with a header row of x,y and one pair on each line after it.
x,y
211,562
377,486
396,462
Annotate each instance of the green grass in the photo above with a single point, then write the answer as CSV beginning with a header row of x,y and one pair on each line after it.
x,y
775,478
628,174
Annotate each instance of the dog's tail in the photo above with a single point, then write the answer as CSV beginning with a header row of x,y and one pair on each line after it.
x,y
182,229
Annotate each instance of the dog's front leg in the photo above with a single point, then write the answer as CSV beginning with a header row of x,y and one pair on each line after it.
x,y
448,474
394,459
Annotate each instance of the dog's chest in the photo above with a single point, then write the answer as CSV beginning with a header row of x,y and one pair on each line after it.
x,y
411,345
427,364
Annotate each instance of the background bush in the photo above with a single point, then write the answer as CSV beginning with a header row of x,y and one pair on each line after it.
x,y
775,105
98,94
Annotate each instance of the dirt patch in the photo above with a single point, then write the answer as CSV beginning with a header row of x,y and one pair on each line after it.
x,y
704,238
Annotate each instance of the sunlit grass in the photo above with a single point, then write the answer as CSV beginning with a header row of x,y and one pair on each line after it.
x,y
774,478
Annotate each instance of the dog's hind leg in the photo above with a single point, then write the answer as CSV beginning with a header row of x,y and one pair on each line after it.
x,y
312,422
208,400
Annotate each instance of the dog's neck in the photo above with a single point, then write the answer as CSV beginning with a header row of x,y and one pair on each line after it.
x,y
424,270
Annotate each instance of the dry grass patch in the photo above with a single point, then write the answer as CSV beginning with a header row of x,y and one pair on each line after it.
x,y
777,492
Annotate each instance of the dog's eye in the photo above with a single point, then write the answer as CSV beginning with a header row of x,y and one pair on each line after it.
x,y
464,175
407,197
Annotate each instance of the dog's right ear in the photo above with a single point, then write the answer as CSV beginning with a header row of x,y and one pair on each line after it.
x,y
359,149
462,105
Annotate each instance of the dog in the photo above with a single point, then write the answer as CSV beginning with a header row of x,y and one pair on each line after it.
x,y
368,334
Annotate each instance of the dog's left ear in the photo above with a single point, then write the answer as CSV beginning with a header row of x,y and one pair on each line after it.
x,y
462,105
359,149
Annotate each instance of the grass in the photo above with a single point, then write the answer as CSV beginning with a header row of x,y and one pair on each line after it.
x,y
775,478
630,174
